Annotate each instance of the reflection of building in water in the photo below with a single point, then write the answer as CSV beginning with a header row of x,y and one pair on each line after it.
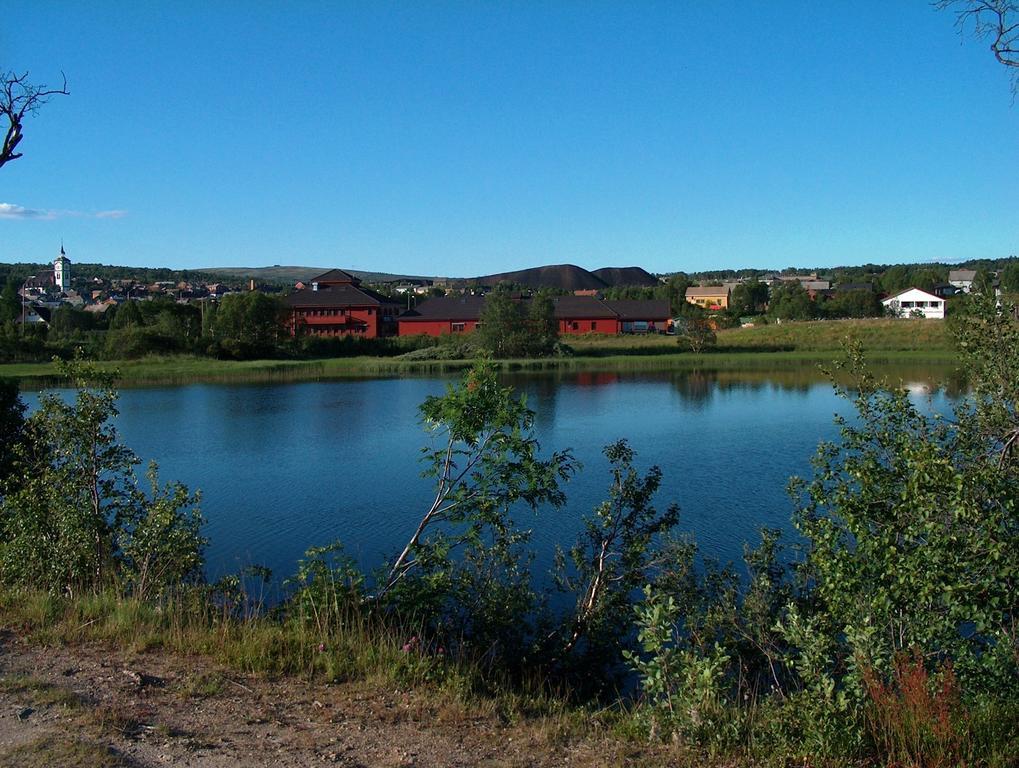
x,y
916,387
596,378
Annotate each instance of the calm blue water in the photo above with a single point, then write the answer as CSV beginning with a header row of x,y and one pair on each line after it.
x,y
285,467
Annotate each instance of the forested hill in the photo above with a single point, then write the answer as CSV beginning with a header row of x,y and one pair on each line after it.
x,y
20,270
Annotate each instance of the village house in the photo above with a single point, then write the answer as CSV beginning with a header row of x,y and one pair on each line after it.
x,y
913,302
335,304
708,296
962,279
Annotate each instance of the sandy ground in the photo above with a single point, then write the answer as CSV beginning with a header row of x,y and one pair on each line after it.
x,y
99,706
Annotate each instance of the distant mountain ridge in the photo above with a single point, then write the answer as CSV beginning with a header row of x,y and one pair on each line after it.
x,y
567,277
570,277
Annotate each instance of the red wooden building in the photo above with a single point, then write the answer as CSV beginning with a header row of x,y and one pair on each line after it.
x,y
574,314
442,315
335,304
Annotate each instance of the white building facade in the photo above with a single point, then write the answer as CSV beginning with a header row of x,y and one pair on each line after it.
x,y
915,303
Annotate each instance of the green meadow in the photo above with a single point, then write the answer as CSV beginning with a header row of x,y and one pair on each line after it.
x,y
770,347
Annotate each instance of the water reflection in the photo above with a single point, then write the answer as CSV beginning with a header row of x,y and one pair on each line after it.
x,y
284,467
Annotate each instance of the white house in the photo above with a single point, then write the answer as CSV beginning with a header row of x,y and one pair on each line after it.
x,y
912,301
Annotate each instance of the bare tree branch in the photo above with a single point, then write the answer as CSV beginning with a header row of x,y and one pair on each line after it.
x,y
997,20
18,99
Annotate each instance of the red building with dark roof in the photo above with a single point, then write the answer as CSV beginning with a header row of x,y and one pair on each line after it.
x,y
337,305
574,314
442,315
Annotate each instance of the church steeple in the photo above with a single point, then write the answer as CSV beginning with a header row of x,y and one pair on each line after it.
x,y
62,271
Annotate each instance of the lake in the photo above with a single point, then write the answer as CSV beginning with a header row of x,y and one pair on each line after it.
x,y
283,467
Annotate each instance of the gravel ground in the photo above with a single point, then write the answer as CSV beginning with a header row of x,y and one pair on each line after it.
x,y
100,706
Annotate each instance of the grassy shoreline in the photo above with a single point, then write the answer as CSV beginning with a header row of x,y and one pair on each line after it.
x,y
179,370
776,347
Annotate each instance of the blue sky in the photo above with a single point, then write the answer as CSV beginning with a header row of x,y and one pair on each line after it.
x,y
462,138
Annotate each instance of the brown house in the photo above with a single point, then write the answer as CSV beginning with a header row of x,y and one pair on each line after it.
x,y
708,296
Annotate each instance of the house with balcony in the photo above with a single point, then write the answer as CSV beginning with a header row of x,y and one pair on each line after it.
x,y
335,304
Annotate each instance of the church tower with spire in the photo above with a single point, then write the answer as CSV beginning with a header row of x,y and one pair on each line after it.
x,y
62,271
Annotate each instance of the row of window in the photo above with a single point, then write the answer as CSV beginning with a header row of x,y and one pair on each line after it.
x,y
342,312
335,330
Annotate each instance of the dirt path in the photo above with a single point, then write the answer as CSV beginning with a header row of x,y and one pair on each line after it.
x,y
99,706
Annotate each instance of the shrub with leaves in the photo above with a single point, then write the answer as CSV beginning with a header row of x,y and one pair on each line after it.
x,y
614,555
464,570
78,522
913,539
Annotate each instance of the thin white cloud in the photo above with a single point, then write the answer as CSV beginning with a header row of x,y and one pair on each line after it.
x,y
12,211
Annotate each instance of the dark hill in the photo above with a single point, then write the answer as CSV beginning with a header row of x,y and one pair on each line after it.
x,y
625,276
290,275
565,276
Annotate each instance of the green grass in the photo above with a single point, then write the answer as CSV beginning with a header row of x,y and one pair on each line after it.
x,y
772,346
874,335
39,693
63,751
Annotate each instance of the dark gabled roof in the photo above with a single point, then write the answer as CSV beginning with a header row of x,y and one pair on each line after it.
x,y
458,308
338,296
580,307
641,309
333,276
962,274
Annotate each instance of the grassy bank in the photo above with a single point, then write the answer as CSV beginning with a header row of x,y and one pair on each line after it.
x,y
776,347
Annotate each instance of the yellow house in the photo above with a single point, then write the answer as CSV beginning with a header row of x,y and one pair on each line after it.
x,y
709,297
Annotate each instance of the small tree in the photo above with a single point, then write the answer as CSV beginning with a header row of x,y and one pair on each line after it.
x,y
614,554
503,331
487,464
790,301
748,298
10,301
696,333
542,326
